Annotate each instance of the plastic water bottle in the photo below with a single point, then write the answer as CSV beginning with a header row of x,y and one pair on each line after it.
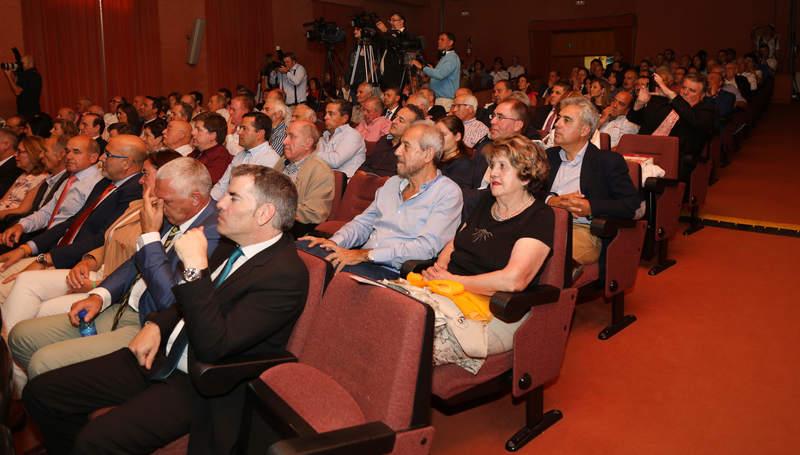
x,y
86,329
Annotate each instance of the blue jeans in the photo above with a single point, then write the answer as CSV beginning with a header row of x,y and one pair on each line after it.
x,y
368,270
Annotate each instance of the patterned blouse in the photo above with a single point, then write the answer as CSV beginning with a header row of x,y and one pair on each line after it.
x,y
16,194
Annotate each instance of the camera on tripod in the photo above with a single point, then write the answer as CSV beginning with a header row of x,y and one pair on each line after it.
x,y
17,65
324,32
366,22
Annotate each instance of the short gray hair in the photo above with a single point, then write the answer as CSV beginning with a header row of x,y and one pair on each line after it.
x,y
431,137
470,100
589,114
187,176
272,187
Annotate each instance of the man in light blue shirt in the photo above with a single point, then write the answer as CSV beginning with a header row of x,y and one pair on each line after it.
x,y
341,146
413,216
254,131
445,76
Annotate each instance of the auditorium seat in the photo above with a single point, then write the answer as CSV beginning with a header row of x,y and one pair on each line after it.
x,y
664,195
605,142
358,195
615,272
539,344
339,185
361,383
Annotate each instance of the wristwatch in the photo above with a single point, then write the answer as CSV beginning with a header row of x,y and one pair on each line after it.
x,y
41,259
192,274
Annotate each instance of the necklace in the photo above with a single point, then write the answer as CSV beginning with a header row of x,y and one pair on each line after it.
x,y
496,211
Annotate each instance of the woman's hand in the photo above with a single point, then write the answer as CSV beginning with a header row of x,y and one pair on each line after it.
x,y
438,272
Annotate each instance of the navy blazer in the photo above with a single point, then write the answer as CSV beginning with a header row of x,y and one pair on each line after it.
x,y
605,182
92,233
159,269
8,175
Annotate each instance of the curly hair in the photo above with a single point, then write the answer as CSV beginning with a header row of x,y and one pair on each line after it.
x,y
527,157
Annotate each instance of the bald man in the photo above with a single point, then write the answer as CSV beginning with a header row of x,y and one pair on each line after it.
x,y
312,176
303,112
63,244
178,136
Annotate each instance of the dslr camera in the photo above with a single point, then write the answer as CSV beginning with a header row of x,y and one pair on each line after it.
x,y
17,65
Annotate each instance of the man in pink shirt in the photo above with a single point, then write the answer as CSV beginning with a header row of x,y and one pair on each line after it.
x,y
374,125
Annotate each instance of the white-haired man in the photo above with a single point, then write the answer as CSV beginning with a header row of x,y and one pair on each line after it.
x,y
465,107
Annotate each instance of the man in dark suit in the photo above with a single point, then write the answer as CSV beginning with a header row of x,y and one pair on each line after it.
x,y
93,125
545,115
584,180
688,116
236,304
8,165
502,91
140,286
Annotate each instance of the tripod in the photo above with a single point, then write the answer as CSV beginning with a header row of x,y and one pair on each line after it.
x,y
365,53
333,65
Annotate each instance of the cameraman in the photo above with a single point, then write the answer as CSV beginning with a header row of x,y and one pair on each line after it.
x,y
26,83
392,59
291,77
445,76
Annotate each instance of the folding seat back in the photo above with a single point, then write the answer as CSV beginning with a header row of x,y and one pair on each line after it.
x,y
366,359
339,184
358,195
698,188
605,142
320,273
664,195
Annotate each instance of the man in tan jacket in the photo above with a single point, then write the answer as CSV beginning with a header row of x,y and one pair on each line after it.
x,y
312,177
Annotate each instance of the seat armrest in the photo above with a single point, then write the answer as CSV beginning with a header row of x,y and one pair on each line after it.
x,y
320,234
213,379
369,438
659,184
415,265
512,306
607,228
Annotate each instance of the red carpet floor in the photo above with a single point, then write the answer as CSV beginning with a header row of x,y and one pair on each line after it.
x,y
712,366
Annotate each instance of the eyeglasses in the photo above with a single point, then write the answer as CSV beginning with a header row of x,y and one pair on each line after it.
x,y
108,154
501,117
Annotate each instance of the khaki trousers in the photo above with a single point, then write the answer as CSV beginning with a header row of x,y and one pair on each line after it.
x,y
585,247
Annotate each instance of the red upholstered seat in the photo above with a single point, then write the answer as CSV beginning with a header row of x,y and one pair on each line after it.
x,y
339,183
365,359
605,142
358,195
663,202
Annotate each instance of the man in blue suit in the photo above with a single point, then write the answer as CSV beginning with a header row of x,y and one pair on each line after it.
x,y
142,285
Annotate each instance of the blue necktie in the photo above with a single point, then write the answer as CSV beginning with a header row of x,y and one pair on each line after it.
x,y
237,253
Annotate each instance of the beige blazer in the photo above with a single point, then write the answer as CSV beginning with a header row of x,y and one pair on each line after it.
x,y
120,239
315,187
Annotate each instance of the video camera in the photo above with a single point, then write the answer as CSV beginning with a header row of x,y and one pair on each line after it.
x,y
366,22
324,32
17,65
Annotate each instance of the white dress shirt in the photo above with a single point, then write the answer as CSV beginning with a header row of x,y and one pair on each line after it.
x,y
184,149
619,127
344,150
294,83
261,154
80,189
249,251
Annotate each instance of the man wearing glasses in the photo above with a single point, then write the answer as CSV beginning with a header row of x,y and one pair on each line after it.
x,y
465,107
64,243
391,63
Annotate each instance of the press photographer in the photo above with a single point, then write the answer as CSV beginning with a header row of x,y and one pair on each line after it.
x,y
445,76
363,64
291,77
394,43
26,83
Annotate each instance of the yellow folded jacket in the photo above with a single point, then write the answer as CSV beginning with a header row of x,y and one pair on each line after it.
x,y
474,306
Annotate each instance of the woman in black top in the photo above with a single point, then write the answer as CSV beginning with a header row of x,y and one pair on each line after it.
x,y
457,161
508,237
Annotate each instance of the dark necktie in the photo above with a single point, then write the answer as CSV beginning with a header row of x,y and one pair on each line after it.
x,y
126,298
182,340
76,225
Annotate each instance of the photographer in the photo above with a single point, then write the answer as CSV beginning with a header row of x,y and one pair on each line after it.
x,y
445,76
391,62
26,83
291,77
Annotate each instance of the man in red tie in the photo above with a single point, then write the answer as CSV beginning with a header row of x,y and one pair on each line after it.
x,y
63,244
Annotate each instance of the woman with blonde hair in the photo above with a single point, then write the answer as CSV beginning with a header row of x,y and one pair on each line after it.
x,y
19,198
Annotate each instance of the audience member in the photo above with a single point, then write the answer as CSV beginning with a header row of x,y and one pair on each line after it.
x,y
208,136
501,92
613,120
254,317
239,107
584,180
181,111
217,103
129,114
341,147
311,176
279,114
178,137
254,130
92,125
391,102
304,112
465,108
383,159
153,135
373,125
8,166
63,128
19,199
412,217
724,100
364,92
